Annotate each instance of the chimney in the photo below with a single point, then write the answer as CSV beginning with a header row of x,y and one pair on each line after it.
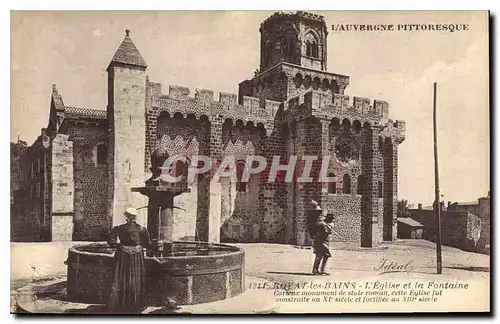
x,y
419,206
449,204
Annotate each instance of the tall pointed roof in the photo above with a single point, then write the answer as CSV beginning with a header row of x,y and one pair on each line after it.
x,y
127,53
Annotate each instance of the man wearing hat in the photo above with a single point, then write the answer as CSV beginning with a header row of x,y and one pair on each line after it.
x,y
128,291
321,244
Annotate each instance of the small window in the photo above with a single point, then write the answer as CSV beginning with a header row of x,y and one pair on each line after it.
x,y
314,50
102,154
39,167
346,184
38,191
361,185
332,186
240,185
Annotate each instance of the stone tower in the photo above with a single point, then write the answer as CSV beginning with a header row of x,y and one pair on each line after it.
x,y
298,39
126,118
354,139
293,59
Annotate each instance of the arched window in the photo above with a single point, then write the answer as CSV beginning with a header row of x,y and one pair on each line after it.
x,y
311,41
332,186
101,154
240,185
314,50
361,185
346,184
288,48
380,189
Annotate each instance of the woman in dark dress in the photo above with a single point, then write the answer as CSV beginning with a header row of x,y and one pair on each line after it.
x,y
128,291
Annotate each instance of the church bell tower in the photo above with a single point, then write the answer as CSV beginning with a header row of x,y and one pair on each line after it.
x,y
298,38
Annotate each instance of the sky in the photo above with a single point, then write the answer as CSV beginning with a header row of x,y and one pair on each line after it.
x,y
217,50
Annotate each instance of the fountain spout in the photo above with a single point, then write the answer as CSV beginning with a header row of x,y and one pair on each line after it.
x,y
161,195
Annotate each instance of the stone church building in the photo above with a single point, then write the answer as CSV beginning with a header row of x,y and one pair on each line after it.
x,y
75,181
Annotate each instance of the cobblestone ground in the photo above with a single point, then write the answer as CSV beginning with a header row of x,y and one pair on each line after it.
x,y
285,263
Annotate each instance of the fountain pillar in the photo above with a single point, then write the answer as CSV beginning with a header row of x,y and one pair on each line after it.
x,y
161,195
166,224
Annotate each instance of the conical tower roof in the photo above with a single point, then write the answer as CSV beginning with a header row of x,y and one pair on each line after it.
x,y
127,53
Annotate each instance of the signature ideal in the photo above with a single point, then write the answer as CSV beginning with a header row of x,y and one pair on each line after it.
x,y
393,266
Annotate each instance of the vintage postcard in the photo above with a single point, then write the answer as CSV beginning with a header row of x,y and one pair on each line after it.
x,y
250,162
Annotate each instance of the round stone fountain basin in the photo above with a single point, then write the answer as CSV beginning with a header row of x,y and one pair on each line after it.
x,y
196,273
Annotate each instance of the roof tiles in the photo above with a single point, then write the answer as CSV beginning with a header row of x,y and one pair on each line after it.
x,y
127,53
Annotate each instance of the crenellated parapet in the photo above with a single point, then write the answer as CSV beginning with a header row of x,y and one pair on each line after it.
x,y
279,17
399,131
179,100
327,106
396,130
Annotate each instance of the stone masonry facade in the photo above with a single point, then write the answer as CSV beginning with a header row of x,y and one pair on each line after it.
x,y
291,107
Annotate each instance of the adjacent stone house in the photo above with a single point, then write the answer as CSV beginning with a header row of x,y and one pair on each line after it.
x,y
459,229
409,228
481,208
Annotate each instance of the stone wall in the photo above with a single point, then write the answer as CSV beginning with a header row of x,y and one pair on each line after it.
x,y
474,231
63,188
30,222
454,230
240,218
272,195
270,86
382,227
126,153
285,81
91,180
389,187
472,208
185,220
309,142
484,214
15,152
347,217
458,229
301,82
